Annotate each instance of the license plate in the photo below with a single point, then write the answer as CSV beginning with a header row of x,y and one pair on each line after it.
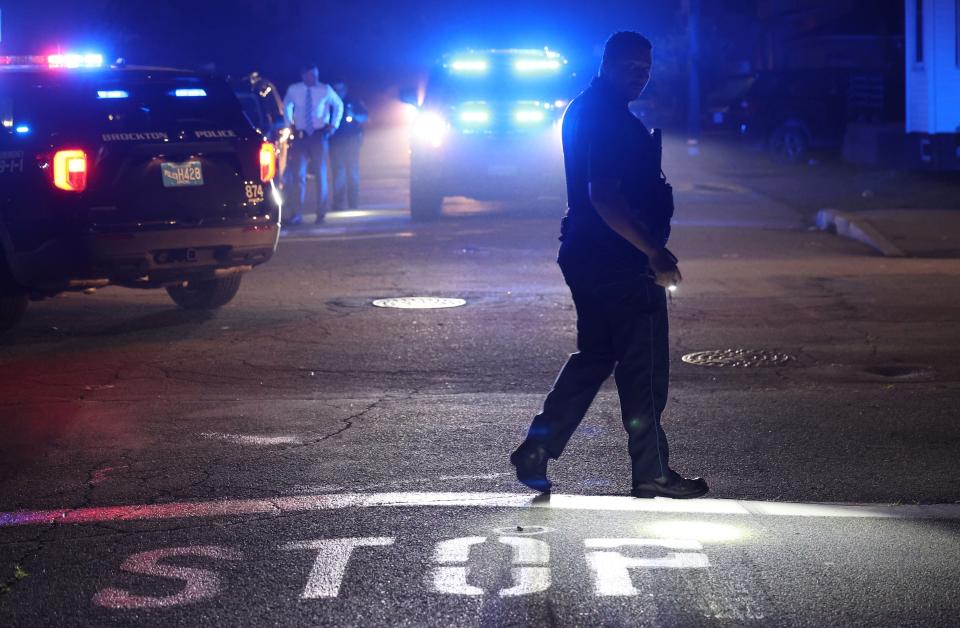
x,y
179,175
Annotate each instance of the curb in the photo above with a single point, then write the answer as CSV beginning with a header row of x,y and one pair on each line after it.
x,y
855,228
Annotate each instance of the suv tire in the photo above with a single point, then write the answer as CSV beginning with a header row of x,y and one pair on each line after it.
x,y
789,143
426,200
205,294
12,307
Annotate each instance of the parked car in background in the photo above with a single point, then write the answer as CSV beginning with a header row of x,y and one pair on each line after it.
x,y
791,112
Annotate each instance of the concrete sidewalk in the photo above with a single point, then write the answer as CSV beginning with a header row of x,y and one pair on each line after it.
x,y
899,232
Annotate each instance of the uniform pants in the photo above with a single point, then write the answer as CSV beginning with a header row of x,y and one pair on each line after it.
x,y
621,329
308,152
345,161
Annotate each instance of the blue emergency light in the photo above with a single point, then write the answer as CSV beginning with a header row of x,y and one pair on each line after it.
x,y
537,65
528,116
190,92
477,116
111,94
470,65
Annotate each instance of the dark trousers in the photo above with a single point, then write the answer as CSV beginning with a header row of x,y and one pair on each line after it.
x,y
345,161
308,152
621,329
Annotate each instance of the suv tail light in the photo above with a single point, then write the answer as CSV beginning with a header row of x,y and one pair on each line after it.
x,y
70,170
268,162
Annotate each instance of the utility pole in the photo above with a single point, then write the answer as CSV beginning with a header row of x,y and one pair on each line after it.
x,y
693,76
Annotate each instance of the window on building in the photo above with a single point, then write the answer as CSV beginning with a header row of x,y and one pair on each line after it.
x,y
918,30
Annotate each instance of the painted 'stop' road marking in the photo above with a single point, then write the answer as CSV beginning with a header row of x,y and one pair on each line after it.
x,y
338,501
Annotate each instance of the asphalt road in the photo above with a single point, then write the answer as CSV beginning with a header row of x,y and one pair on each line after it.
x,y
304,457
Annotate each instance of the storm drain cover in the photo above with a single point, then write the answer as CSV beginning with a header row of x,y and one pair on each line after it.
x,y
419,303
738,358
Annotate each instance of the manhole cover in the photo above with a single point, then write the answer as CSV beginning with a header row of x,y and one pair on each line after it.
x,y
419,303
739,358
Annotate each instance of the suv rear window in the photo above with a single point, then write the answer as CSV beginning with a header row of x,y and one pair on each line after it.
x,y
115,102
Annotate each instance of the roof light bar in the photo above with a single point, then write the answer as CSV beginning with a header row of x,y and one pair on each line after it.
x,y
74,60
475,116
190,92
22,129
23,60
537,65
109,94
470,65
65,60
526,116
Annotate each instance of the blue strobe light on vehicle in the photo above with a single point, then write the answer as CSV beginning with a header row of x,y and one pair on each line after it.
x,y
190,92
110,94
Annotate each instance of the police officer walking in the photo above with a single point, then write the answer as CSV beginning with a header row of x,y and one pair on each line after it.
x,y
313,110
345,150
614,260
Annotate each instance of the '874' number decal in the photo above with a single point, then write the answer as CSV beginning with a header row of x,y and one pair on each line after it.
x,y
254,192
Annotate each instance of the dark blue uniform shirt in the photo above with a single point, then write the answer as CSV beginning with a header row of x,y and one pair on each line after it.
x,y
602,139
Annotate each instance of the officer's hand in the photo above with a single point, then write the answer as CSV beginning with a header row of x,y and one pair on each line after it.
x,y
668,280
664,267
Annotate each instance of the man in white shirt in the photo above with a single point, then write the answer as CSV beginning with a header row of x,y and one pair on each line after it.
x,y
313,112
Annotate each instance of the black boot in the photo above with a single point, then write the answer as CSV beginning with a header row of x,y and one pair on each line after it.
x,y
531,464
671,485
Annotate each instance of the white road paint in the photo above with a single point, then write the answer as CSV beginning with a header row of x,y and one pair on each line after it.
x,y
611,569
321,488
249,439
452,574
450,580
333,555
199,584
484,476
599,503
527,581
527,551
456,550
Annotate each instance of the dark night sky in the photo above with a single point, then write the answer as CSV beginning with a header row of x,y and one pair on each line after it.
x,y
370,42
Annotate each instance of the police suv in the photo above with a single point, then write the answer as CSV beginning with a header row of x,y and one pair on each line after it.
x,y
128,176
489,128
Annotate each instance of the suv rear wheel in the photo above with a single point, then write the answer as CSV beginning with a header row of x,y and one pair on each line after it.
x,y
205,294
789,143
12,307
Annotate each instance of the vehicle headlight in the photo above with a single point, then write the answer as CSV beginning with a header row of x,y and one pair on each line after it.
x,y
431,128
